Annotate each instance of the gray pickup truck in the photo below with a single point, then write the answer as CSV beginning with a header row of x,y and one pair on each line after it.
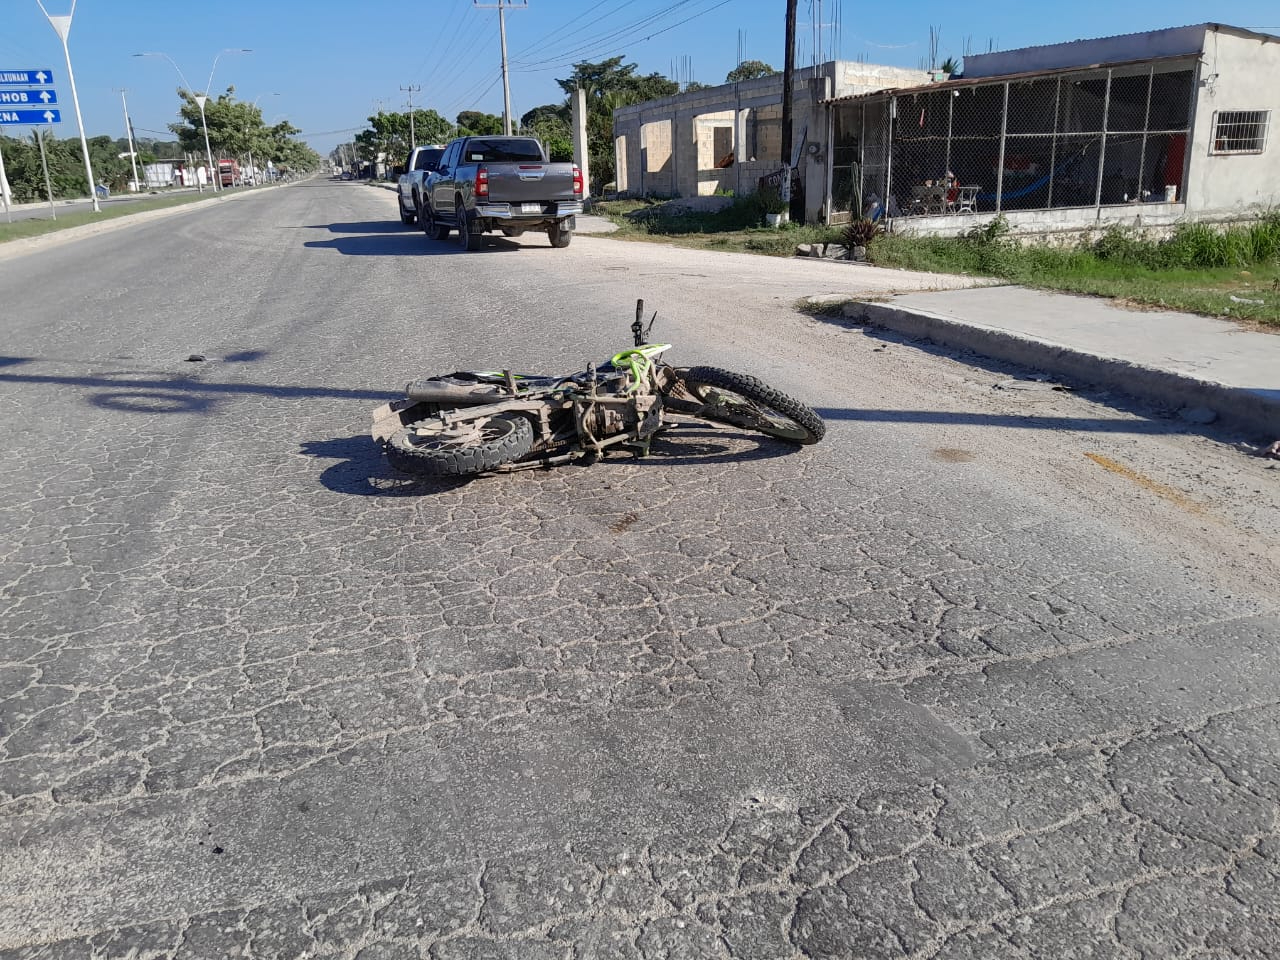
x,y
500,183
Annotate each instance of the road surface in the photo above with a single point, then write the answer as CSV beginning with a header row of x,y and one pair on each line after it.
x,y
989,672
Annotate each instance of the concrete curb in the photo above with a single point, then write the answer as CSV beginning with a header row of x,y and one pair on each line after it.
x,y
1257,411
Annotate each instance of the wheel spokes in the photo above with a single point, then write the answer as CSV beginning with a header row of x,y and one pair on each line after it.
x,y
438,436
749,413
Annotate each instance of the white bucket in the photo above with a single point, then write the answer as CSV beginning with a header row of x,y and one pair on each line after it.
x,y
1171,193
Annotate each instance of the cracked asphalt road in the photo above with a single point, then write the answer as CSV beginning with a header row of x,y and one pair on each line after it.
x,y
938,687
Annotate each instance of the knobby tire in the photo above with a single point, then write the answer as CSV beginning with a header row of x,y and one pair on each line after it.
x,y
503,439
784,417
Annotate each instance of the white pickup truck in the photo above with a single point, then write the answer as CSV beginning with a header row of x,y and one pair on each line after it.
x,y
421,161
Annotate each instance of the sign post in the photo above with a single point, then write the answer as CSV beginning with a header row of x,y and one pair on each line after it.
x,y
44,162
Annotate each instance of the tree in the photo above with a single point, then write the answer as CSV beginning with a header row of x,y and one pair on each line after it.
x,y
547,113
950,66
609,85
749,70
695,85
473,123
392,135
236,130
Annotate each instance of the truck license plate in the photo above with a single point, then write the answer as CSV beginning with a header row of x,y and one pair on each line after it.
x,y
530,208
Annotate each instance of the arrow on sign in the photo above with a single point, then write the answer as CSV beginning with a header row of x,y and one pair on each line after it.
x,y
48,116
44,95
41,76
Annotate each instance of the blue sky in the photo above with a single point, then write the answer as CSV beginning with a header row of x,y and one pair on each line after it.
x,y
332,63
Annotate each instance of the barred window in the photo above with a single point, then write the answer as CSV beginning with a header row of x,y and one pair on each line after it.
x,y
1240,131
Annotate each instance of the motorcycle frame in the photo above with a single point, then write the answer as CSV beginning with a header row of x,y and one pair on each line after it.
x,y
642,406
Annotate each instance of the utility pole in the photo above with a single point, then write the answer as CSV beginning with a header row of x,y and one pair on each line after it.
x,y
413,137
789,65
503,6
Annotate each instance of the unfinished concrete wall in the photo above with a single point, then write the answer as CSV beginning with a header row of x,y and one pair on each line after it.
x,y
1239,81
656,158
714,133
752,111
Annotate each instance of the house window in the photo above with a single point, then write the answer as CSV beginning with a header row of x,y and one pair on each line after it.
x,y
1240,131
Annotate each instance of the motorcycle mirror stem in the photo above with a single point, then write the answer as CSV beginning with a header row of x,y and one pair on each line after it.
x,y
637,328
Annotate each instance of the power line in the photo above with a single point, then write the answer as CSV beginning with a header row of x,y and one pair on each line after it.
x,y
557,62
611,35
460,51
429,57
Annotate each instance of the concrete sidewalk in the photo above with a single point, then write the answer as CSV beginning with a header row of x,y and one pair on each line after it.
x,y
1191,364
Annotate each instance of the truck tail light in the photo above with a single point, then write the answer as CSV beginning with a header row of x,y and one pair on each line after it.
x,y
577,181
482,182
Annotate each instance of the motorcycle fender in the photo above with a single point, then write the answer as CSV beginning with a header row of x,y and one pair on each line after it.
x,y
390,417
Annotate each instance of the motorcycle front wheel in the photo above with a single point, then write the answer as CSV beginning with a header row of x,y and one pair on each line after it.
x,y
743,401
429,448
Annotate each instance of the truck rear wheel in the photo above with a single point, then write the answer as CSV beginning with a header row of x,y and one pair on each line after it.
x,y
559,235
469,238
430,226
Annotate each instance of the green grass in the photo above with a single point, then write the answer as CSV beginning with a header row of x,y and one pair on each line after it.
x,y
736,228
1199,269
21,229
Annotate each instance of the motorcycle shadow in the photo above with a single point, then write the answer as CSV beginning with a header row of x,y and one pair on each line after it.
x,y
694,444
363,471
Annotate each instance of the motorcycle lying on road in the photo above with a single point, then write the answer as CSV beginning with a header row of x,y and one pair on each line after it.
x,y
475,422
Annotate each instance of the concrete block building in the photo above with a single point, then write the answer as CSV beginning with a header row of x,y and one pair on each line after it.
x,y
725,138
1143,129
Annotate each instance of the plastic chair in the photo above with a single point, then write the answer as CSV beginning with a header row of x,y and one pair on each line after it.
x,y
966,200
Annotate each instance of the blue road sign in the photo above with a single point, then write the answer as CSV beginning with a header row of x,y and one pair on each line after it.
x,y
25,78
28,98
31,117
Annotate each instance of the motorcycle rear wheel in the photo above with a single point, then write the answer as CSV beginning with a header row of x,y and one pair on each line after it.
x,y
429,449
743,401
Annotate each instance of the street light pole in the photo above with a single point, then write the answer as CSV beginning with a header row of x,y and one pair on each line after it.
x,y
201,99
62,27
217,177
249,140
128,132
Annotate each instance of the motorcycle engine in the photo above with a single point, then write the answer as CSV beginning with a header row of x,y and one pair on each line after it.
x,y
602,421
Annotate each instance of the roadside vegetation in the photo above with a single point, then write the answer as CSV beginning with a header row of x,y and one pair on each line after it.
x,y
738,227
21,229
1231,271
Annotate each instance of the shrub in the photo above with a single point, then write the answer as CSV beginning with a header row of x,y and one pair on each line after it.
x,y
770,200
860,233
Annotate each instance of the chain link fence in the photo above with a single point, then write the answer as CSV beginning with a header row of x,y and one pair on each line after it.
x,y
1083,138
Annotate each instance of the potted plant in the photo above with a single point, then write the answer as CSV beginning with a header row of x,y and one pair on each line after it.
x,y
772,205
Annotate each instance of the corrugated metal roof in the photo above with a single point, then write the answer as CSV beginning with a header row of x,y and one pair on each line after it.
x,y
964,82
1143,33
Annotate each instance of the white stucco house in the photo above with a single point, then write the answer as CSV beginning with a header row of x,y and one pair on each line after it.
x,y
1146,128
